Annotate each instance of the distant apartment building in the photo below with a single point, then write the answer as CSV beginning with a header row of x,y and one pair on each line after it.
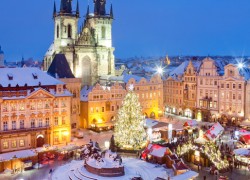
x,y
35,109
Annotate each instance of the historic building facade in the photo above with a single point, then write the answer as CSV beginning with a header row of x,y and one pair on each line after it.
x,y
208,90
88,50
35,110
100,104
232,94
189,90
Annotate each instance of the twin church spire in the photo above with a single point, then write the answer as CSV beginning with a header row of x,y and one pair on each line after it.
x,y
66,8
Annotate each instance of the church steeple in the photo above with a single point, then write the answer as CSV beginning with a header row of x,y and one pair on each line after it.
x,y
66,7
100,7
54,12
111,11
77,9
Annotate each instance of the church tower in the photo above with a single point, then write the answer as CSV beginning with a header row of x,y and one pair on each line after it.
x,y
89,53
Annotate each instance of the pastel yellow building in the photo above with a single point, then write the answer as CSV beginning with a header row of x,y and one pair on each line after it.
x,y
35,110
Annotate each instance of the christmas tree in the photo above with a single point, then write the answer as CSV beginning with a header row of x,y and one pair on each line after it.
x,y
129,131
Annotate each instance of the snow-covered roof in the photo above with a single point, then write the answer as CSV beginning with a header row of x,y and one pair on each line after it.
x,y
17,154
157,150
26,76
185,176
242,152
50,51
150,122
85,93
180,69
214,131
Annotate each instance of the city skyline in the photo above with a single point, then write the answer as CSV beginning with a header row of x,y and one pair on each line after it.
x,y
140,28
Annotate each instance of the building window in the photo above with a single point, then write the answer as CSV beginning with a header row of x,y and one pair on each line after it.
x,y
233,86
63,104
233,96
32,123
47,121
102,109
113,108
107,106
21,124
222,85
21,107
46,105
5,145
13,107
227,85
32,106
103,32
63,120
57,31
5,108
5,126
91,110
21,143
211,104
13,125
239,86
40,105
56,139
13,144
201,82
56,121
56,104
69,31
215,83
239,97
215,104
40,123
97,109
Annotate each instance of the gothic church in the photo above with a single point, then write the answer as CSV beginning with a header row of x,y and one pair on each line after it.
x,y
88,50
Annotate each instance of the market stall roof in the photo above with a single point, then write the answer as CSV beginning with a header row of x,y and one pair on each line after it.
x,y
200,140
245,138
190,123
186,175
214,131
150,122
180,166
17,155
242,152
156,150
160,125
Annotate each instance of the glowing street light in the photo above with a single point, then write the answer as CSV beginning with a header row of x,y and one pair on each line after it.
x,y
240,65
160,70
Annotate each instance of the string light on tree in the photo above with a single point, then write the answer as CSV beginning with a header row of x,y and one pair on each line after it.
x,y
129,131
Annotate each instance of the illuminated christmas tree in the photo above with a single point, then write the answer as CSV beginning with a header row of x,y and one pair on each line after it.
x,y
129,130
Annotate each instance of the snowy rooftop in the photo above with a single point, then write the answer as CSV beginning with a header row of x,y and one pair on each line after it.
x,y
17,154
214,131
25,76
85,93
185,176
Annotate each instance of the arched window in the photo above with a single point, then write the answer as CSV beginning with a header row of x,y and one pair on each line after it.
x,y
69,31
57,31
103,32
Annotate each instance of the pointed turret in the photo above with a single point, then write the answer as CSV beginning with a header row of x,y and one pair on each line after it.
x,y
100,7
77,9
111,12
87,14
54,12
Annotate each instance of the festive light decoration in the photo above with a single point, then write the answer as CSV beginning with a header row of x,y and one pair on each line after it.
x,y
129,131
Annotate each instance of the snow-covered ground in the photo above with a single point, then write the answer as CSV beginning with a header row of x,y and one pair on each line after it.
x,y
133,168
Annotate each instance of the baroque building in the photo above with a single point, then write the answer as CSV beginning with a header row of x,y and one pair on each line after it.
x,y
88,50
35,110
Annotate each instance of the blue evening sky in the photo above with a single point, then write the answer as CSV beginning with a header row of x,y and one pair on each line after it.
x,y
141,27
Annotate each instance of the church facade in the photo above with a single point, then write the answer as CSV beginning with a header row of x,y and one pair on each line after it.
x,y
88,49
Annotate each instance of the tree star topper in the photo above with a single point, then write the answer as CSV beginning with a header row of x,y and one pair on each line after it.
x,y
131,87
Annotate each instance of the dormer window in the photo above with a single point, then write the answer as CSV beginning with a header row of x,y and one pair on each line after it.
x,y
10,76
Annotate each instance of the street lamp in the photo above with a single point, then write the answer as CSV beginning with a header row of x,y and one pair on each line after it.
x,y
160,70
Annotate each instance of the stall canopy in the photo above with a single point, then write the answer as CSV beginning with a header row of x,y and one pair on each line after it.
x,y
186,175
245,138
242,152
214,131
156,150
17,154
190,123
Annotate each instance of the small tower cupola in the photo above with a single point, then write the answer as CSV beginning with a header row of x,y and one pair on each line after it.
x,y
100,9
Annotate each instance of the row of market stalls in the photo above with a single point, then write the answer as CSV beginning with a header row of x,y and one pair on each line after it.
x,y
19,161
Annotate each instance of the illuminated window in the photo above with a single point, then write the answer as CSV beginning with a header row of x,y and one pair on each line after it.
x,y
63,120
56,121
21,143
56,139
5,108
40,123
239,86
13,144
39,105
5,145
47,121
